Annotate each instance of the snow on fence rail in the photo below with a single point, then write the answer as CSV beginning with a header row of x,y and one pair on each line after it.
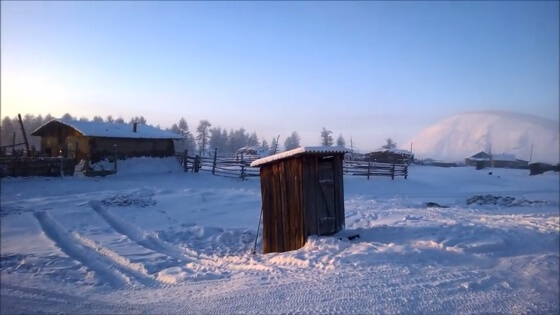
x,y
239,167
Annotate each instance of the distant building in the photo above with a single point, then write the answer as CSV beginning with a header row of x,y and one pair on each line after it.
x,y
252,152
95,141
391,156
483,159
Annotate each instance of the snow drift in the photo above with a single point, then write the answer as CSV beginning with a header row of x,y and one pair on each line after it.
x,y
460,136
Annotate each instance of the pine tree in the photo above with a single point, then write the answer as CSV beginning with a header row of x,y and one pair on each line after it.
x,y
203,135
292,141
326,138
390,144
340,141
264,145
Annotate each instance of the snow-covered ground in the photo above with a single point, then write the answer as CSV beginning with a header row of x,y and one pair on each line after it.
x,y
153,239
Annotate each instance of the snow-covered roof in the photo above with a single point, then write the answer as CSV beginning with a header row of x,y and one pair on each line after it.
x,y
496,157
396,151
503,157
479,159
111,130
298,151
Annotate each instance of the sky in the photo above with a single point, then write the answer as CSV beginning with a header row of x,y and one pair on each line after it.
x,y
366,70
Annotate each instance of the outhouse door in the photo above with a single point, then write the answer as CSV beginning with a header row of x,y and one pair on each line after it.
x,y
326,206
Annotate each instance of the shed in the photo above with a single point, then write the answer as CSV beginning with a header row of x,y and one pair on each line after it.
x,y
302,194
94,141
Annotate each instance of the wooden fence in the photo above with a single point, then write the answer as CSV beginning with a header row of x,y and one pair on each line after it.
x,y
36,166
368,169
239,167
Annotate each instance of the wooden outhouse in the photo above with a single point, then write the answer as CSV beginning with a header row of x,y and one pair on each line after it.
x,y
302,194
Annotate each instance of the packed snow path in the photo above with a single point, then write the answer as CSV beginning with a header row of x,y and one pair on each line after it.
x,y
157,240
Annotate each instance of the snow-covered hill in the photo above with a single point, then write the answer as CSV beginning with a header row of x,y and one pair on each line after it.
x,y
460,136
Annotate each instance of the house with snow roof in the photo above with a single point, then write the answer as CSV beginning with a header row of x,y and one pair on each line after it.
x,y
496,160
94,141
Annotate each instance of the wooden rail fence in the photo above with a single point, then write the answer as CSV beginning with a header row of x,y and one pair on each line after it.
x,y
36,166
239,167
368,169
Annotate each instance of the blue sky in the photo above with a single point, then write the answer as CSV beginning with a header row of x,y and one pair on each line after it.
x,y
368,70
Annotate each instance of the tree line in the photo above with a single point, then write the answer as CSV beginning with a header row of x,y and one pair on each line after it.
x,y
10,127
205,137
227,142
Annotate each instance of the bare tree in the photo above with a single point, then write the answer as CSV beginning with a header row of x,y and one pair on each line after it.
x,y
274,145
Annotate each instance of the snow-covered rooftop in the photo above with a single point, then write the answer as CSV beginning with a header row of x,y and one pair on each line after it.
x,y
503,157
112,130
298,151
396,151
496,157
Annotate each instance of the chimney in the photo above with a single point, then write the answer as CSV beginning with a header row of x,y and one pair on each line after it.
x,y
134,127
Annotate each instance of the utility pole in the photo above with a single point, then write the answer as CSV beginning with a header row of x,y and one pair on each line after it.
x,y
491,157
531,156
24,135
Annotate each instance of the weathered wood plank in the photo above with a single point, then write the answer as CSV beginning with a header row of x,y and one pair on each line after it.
x,y
339,192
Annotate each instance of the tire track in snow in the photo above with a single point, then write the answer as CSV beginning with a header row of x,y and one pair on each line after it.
x,y
135,271
71,247
141,237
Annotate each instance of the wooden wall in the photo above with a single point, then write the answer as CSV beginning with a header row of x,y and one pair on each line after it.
x,y
283,212
63,138
128,147
323,194
301,196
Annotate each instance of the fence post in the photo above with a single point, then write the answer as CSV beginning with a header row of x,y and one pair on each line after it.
x,y
405,171
14,144
368,168
393,172
185,166
61,166
115,158
195,166
243,171
214,163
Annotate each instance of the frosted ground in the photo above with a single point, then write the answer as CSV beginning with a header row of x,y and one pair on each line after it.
x,y
153,239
